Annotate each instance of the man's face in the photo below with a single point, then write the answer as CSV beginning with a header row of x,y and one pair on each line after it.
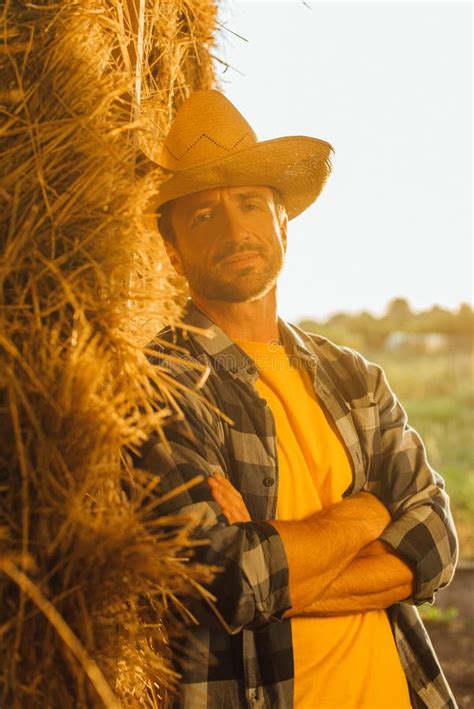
x,y
230,244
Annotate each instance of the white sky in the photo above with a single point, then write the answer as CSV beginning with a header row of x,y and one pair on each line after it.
x,y
389,84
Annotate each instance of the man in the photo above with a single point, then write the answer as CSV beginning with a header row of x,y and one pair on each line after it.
x,y
320,509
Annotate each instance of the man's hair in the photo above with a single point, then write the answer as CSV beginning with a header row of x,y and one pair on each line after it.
x,y
165,226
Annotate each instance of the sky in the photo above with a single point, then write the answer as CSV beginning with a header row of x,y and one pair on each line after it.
x,y
389,85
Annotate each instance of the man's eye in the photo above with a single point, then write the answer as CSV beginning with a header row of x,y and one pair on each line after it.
x,y
201,218
250,206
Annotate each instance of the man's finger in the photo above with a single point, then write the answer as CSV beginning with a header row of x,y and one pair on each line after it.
x,y
223,496
225,484
231,498
231,504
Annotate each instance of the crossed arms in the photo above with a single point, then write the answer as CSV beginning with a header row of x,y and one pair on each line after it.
x,y
352,570
409,516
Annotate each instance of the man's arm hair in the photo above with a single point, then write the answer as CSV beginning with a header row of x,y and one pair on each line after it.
x,y
376,579
320,547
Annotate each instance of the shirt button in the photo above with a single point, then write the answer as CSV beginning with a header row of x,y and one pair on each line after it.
x,y
262,402
252,369
268,482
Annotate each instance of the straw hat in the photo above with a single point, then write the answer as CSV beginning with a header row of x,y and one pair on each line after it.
x,y
210,144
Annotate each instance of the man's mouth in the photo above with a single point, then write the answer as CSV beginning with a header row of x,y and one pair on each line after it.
x,y
241,257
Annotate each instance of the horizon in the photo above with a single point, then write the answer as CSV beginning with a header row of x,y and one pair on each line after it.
x,y
414,311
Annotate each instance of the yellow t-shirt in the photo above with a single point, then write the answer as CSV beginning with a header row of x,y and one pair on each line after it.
x,y
348,661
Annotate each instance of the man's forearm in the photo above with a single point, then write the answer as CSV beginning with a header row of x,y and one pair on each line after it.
x,y
374,580
320,547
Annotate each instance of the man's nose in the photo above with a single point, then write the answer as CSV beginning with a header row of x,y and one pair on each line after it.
x,y
232,225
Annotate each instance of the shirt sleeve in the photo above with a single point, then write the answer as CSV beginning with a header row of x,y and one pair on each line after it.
x,y
422,531
252,586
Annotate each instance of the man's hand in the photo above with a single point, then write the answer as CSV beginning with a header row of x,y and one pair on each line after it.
x,y
228,498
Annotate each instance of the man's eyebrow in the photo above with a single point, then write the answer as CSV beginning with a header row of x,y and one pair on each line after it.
x,y
199,205
251,195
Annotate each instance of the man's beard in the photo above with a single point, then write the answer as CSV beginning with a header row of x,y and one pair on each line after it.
x,y
246,284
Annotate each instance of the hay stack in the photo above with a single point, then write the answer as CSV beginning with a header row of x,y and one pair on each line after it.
x,y
85,575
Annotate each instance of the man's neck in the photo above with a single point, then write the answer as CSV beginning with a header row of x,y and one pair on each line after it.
x,y
256,320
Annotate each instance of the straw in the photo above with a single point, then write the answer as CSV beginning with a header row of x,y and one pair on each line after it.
x,y
88,572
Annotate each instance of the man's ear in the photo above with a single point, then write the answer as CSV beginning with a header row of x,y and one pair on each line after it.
x,y
174,257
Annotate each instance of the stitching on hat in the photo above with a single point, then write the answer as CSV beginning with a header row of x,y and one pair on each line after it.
x,y
204,135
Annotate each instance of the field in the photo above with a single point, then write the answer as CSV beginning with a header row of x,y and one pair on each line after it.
x,y
436,390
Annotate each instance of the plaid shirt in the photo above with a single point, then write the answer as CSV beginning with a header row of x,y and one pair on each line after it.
x,y
245,658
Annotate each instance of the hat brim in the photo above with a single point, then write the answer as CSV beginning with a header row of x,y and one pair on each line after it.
x,y
297,166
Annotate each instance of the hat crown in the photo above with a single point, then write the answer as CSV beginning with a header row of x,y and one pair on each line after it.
x,y
206,127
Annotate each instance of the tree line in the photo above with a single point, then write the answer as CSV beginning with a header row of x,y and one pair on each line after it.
x,y
365,329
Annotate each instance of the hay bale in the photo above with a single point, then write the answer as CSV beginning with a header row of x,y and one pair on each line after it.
x,y
82,276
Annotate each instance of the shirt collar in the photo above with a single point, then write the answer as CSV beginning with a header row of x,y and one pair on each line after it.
x,y
229,356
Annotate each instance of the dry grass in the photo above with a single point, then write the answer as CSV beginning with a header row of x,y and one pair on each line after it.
x,y
86,574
